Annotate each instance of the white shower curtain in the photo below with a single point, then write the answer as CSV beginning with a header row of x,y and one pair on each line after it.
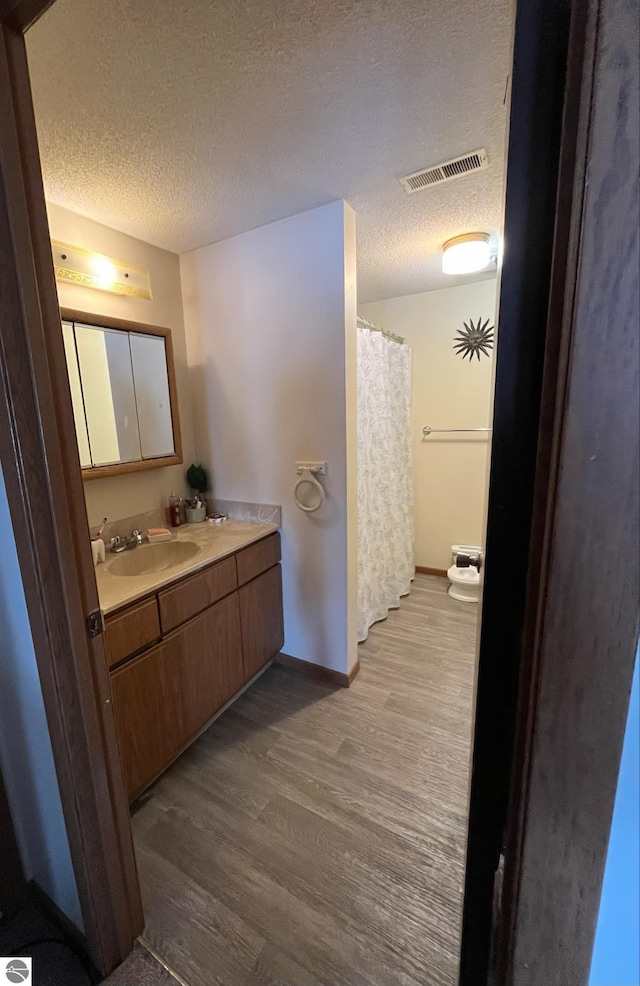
x,y
385,486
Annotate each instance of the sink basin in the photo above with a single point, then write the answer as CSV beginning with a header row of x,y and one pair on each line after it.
x,y
151,558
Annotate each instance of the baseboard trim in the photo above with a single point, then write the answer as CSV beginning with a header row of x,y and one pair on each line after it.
x,y
426,570
317,671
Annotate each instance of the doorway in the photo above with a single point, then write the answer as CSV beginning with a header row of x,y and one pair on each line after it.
x,y
72,566
104,496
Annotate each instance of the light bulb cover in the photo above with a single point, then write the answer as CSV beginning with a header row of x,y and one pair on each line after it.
x,y
466,254
89,269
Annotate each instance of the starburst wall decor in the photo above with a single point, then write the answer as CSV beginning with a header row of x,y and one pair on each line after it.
x,y
474,339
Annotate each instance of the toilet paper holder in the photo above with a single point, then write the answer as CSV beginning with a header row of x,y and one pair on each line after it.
x,y
308,473
464,560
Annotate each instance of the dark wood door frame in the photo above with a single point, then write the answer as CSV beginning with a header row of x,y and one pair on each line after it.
x,y
541,46
581,628
579,623
44,487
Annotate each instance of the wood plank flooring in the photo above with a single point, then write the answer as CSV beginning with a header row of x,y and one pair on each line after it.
x,y
315,836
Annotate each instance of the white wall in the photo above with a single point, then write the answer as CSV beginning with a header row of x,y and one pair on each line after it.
x,y
123,496
448,392
270,322
25,749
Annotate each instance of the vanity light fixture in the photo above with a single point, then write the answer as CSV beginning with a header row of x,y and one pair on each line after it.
x,y
75,265
466,254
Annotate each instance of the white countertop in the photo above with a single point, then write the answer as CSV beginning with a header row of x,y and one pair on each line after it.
x,y
213,541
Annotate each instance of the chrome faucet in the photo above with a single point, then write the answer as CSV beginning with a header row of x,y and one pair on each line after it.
x,y
118,544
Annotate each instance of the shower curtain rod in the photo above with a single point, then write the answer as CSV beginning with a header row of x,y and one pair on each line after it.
x,y
376,328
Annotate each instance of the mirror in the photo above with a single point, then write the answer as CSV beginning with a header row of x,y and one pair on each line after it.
x,y
122,381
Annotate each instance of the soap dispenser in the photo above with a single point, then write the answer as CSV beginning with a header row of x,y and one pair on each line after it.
x,y
175,518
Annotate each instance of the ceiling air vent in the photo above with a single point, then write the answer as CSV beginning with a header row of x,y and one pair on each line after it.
x,y
475,161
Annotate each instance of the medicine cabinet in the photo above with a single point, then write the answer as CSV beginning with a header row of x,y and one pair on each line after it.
x,y
123,390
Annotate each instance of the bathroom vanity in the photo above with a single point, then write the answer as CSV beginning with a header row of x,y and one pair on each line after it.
x,y
188,622
183,641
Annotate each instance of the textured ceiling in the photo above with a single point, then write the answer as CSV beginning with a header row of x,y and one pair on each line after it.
x,y
183,124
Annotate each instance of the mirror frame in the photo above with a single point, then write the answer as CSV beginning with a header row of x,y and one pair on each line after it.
x,y
107,322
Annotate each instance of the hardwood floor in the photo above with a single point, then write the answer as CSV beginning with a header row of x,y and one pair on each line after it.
x,y
315,836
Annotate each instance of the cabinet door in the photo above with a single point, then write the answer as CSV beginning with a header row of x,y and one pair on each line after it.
x,y
164,697
148,719
208,651
262,621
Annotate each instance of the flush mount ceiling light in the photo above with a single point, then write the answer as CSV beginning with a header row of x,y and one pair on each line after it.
x,y
466,254
93,270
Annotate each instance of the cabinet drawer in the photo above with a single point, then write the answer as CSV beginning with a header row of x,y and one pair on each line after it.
x,y
258,557
130,631
192,596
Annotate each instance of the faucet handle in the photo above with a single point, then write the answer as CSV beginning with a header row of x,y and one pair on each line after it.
x,y
137,536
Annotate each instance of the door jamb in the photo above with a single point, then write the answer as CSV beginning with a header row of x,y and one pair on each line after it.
x,y
581,632
45,493
541,43
581,619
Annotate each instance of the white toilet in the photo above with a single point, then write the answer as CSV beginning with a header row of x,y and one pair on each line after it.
x,y
465,582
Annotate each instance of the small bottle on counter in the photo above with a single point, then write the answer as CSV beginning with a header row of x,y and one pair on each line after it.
x,y
174,512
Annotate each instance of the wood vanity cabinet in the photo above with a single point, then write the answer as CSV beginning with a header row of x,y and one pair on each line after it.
x,y
165,695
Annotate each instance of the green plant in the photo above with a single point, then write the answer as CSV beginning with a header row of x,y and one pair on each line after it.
x,y
197,478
